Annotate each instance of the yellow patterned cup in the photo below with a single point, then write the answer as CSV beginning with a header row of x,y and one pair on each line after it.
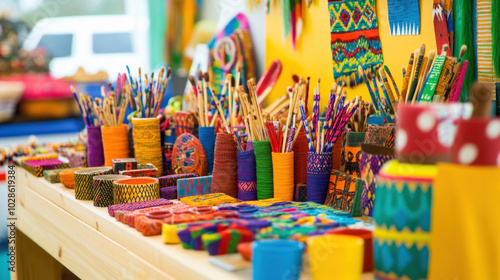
x,y
147,146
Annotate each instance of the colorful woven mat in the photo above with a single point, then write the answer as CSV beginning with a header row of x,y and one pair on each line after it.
x,y
212,199
194,186
137,205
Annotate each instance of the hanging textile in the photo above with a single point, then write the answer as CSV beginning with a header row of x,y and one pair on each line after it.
x,y
181,16
404,17
354,39
464,35
485,50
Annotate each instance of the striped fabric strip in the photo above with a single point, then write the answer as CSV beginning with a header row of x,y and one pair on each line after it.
x,y
485,69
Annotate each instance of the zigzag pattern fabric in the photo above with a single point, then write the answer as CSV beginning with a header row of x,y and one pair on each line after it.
x,y
404,17
103,193
370,165
400,260
354,39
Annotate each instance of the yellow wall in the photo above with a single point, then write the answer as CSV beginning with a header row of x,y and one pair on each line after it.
x,y
313,56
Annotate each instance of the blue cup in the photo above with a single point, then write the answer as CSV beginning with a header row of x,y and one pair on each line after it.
x,y
276,259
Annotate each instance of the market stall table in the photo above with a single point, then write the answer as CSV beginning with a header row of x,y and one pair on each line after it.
x,y
93,245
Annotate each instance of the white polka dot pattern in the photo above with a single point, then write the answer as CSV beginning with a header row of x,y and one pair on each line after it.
x,y
467,154
493,129
426,121
401,139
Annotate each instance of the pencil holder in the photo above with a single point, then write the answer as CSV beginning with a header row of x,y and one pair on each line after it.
x,y
95,152
84,181
263,169
207,139
402,215
283,175
115,143
352,152
371,161
247,180
102,192
136,189
225,175
337,152
147,146
464,222
68,177
319,166
188,156
300,150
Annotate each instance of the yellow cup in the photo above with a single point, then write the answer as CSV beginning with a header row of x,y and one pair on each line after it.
x,y
335,257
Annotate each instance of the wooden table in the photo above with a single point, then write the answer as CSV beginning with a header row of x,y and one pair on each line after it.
x,y
93,245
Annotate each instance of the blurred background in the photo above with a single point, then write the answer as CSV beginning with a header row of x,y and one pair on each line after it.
x,y
46,46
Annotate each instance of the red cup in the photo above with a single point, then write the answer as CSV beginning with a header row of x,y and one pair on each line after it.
x,y
477,142
367,236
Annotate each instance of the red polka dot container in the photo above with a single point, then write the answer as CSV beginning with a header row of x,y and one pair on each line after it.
x,y
477,142
425,133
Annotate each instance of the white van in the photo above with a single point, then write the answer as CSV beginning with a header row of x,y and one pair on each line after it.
x,y
95,43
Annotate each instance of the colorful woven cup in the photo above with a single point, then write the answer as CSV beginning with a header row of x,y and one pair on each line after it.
x,y
68,177
225,174
247,180
115,143
337,152
367,236
283,175
102,192
95,151
319,167
370,163
276,259
136,189
147,146
84,181
339,255
207,139
263,169
300,150
402,215
352,153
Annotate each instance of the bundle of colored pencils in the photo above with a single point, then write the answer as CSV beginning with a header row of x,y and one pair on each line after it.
x,y
321,136
108,111
283,133
433,78
386,107
206,98
358,121
147,96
